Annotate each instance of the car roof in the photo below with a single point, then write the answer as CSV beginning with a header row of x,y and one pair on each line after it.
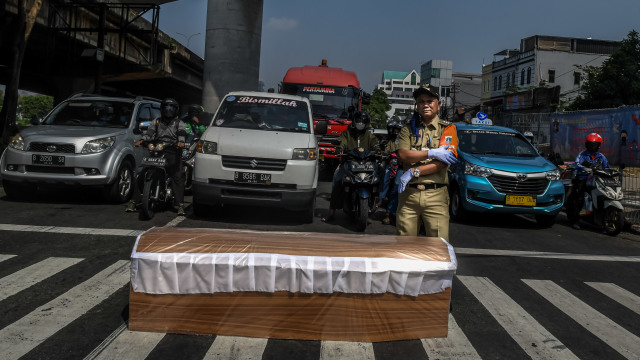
x,y
82,96
465,126
268,94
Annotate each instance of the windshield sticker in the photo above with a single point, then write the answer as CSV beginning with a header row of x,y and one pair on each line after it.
x,y
273,101
302,124
316,89
231,98
219,122
488,132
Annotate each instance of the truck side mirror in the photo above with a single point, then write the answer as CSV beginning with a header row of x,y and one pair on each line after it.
x,y
366,98
321,128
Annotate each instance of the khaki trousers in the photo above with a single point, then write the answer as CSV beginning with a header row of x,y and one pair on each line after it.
x,y
430,207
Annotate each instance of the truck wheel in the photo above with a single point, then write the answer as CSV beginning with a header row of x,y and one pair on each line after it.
x,y
456,208
17,191
613,220
120,190
363,214
545,221
149,201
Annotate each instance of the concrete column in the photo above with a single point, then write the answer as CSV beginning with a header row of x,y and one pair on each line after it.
x,y
232,49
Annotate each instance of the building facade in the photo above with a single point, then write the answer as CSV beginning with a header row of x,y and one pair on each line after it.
x,y
399,87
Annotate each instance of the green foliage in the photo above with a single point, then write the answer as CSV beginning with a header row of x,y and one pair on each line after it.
x,y
616,82
33,106
511,88
378,108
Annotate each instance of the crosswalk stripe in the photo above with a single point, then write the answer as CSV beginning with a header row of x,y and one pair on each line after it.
x,y
234,347
546,255
28,332
129,345
455,346
621,340
20,280
4,257
330,350
532,337
618,294
70,230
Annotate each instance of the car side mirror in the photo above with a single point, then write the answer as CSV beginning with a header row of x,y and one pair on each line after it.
x,y
321,128
35,120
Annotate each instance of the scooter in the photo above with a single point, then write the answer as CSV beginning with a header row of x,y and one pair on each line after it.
x,y
361,183
602,197
189,160
157,191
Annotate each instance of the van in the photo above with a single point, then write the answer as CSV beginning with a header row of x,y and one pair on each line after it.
x,y
260,150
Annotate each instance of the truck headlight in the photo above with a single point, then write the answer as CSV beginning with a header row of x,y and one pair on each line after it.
x,y
16,142
553,175
207,147
476,170
98,145
305,154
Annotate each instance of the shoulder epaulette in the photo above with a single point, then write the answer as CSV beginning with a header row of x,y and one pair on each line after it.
x,y
445,122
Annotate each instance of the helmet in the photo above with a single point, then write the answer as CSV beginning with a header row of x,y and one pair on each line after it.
x,y
529,136
392,126
593,142
361,120
195,110
169,108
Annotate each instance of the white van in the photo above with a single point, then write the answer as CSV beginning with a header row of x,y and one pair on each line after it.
x,y
260,150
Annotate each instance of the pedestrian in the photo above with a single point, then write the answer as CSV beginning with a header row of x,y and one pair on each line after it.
x,y
426,148
393,170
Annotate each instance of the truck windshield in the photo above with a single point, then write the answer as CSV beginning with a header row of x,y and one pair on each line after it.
x,y
328,102
485,142
263,113
100,113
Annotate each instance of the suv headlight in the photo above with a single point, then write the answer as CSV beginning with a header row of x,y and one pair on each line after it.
x,y
98,145
553,175
305,154
207,147
476,170
16,142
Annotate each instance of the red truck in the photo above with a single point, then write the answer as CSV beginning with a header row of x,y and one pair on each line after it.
x,y
334,95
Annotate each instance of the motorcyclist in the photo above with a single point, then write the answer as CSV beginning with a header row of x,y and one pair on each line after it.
x,y
393,170
171,131
192,120
582,167
357,135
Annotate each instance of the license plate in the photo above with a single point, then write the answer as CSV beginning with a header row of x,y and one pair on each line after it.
x,y
518,200
252,178
362,167
154,161
56,160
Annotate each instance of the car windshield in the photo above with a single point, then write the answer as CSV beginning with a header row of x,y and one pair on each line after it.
x,y
263,113
490,142
97,113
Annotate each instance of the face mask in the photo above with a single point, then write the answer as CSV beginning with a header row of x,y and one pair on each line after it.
x,y
360,126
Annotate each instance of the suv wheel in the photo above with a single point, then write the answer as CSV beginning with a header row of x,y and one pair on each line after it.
x,y
455,205
120,190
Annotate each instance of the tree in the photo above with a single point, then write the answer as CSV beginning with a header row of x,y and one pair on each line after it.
x,y
378,108
34,106
616,82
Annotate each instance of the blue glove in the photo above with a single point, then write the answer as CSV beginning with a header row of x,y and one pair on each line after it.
x,y
443,155
404,180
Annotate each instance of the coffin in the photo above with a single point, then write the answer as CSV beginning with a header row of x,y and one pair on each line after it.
x,y
290,285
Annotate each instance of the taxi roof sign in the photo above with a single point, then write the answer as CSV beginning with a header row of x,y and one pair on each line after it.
x,y
481,119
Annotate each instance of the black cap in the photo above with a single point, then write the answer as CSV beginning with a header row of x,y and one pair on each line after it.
x,y
426,89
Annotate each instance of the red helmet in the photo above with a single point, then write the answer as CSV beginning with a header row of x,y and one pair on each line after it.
x,y
593,142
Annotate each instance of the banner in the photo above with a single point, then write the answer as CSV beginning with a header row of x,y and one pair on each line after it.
x,y
619,129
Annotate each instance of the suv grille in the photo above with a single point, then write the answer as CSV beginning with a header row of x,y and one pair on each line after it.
x,y
250,163
59,148
510,185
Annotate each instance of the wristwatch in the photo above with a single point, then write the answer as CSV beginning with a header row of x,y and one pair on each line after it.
x,y
416,172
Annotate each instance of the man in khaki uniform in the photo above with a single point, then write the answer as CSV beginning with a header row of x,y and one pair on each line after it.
x,y
425,154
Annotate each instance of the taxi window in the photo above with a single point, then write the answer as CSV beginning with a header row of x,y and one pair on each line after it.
x,y
487,142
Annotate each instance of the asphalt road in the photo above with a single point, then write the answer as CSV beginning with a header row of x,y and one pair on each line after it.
x,y
519,292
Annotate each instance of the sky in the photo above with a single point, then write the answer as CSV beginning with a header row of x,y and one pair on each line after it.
x,y
371,36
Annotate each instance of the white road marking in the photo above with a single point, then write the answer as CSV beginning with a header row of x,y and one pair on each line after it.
x,y
532,337
30,331
455,346
173,223
338,350
4,257
70,230
20,280
546,255
624,297
126,345
620,339
234,347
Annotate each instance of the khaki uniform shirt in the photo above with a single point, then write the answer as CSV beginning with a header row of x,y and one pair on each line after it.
x,y
366,140
428,138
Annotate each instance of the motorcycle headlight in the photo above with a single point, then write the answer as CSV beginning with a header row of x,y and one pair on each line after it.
x,y
16,142
98,145
476,170
553,175
304,154
207,147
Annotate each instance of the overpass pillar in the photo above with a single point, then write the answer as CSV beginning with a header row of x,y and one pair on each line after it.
x,y
232,49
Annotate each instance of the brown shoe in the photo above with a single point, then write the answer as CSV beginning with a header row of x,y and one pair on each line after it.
x,y
386,220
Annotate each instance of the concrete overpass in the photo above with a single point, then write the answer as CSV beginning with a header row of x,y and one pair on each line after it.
x,y
64,55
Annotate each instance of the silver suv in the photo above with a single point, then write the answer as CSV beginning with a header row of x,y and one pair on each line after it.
x,y
86,140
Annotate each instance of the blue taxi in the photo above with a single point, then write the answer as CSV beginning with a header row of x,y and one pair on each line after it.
x,y
499,171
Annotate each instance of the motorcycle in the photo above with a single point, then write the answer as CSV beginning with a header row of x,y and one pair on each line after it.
x,y
188,159
602,197
361,183
157,190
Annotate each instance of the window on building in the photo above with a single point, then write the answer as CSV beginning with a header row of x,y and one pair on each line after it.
x,y
495,83
435,73
528,75
500,82
508,79
576,78
513,77
413,78
522,77
552,76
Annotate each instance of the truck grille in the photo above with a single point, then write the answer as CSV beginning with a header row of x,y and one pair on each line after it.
x,y
250,163
57,148
511,185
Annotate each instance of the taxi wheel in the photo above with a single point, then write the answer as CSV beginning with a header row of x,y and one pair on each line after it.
x,y
456,209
